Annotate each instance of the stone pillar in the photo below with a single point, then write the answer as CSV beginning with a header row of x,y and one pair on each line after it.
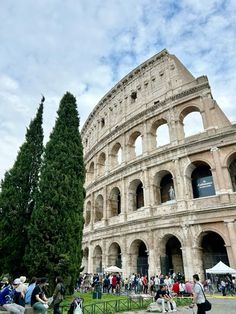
x,y
187,253
90,259
197,261
92,211
146,186
178,182
105,205
218,179
178,129
230,223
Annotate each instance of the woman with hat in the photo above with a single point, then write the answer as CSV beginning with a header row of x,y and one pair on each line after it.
x,y
6,298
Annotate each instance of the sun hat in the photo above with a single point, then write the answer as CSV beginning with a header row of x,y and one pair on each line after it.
x,y
4,280
23,279
17,281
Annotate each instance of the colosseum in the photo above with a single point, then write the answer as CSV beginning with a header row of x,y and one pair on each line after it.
x,y
160,160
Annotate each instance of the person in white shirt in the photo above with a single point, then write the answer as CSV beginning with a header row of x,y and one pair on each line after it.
x,y
198,295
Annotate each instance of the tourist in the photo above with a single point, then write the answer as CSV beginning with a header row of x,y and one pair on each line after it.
x,y
39,301
198,295
58,295
162,298
30,289
6,298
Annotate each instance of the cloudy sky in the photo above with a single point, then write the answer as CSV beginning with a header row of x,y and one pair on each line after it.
x,y
86,46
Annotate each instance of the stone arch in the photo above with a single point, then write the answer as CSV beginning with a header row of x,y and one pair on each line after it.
x,y
116,155
231,165
114,202
192,120
134,145
99,204
114,255
213,247
101,164
97,259
199,179
171,258
88,213
136,195
164,187
90,173
139,257
156,137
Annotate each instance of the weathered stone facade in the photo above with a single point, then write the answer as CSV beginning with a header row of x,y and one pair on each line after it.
x,y
169,207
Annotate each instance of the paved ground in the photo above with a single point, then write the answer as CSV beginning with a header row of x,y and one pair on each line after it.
x,y
220,305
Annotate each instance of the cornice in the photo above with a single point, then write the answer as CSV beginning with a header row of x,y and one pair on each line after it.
x,y
123,82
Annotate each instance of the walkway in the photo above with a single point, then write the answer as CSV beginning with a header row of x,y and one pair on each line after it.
x,y
220,305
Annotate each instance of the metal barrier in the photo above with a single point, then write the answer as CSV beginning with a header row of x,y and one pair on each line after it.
x,y
112,306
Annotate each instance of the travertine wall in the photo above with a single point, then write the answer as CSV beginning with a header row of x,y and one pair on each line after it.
x,y
124,208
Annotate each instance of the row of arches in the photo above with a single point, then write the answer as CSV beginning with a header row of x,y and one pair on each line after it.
x,y
210,244
158,135
200,181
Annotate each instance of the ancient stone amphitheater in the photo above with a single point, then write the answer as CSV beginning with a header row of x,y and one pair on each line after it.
x,y
159,198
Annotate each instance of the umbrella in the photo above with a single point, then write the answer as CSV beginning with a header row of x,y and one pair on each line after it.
x,y
113,269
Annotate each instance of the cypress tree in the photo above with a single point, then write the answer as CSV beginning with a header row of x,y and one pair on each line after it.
x,y
57,222
18,189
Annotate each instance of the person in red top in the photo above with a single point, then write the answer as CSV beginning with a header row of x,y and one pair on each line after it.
x,y
113,283
175,287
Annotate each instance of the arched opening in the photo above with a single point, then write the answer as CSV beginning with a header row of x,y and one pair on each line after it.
x,y
139,257
213,249
90,172
172,260
135,145
97,259
136,195
138,146
101,164
114,255
232,172
98,208
162,135
116,155
114,202
167,189
85,260
139,196
88,213
193,123
202,180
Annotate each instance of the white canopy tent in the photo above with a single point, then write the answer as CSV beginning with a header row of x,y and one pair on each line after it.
x,y
221,268
113,269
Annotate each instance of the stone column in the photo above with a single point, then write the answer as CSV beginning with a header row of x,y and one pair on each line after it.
x,y
187,253
146,186
90,258
105,206
230,223
197,261
216,171
92,211
178,129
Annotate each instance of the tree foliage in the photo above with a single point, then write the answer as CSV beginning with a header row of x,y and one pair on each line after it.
x,y
17,196
55,232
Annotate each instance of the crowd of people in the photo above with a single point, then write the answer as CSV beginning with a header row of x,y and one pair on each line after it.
x,y
15,295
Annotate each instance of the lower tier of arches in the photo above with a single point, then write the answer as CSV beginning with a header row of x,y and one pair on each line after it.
x,y
186,248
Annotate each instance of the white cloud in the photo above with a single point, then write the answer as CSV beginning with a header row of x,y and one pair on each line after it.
x,y
87,46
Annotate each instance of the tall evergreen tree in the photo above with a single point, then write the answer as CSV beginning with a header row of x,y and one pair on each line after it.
x,y
18,189
57,222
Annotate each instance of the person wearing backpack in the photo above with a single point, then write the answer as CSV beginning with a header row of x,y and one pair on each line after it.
x,y
58,295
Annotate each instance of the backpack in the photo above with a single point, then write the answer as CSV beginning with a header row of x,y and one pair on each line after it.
x,y
62,290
